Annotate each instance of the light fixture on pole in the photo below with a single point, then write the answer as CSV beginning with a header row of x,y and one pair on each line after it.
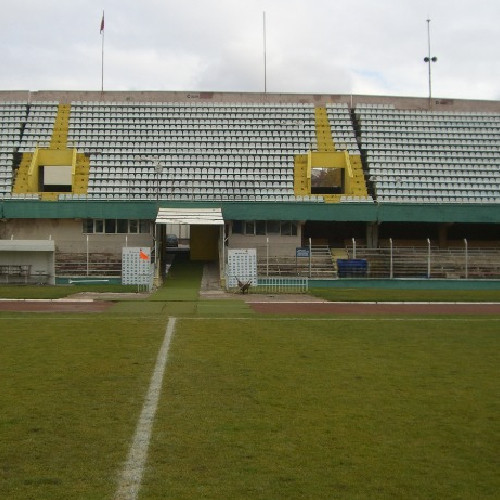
x,y
429,59
158,166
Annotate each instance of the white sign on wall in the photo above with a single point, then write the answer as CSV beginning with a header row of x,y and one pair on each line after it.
x,y
242,266
136,266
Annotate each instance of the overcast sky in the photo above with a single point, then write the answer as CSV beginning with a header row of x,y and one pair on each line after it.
x,y
313,46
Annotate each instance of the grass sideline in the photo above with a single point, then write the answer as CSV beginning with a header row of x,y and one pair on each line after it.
x,y
184,287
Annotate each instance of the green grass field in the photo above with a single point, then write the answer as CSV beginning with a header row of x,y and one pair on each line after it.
x,y
252,407
329,409
394,295
71,390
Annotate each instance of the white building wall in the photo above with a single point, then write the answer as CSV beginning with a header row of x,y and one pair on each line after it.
x,y
279,246
69,237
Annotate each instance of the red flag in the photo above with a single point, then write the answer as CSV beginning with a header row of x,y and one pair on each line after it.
x,y
143,256
102,23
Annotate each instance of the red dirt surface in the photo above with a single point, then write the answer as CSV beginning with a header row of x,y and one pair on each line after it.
x,y
356,309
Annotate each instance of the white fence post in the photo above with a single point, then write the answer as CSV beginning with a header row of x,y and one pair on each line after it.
x,y
428,258
273,284
267,256
390,259
310,258
466,259
87,254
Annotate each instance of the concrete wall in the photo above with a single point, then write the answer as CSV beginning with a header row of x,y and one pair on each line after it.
x,y
279,246
68,235
437,103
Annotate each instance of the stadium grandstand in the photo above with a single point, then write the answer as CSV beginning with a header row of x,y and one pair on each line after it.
x,y
323,186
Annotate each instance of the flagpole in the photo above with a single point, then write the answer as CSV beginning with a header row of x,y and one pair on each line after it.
x,y
102,63
102,53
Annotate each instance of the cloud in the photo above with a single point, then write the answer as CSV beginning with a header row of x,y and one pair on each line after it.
x,y
313,46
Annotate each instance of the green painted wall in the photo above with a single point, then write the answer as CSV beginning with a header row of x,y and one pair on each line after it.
x,y
408,284
364,212
16,209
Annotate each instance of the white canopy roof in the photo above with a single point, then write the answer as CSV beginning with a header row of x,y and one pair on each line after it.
x,y
190,216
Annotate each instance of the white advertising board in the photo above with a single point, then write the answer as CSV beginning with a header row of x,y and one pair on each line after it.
x,y
242,266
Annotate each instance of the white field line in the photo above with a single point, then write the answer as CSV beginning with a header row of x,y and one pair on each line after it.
x,y
376,303
130,479
448,317
62,299
372,319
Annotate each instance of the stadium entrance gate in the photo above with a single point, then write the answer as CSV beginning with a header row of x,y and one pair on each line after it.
x,y
206,230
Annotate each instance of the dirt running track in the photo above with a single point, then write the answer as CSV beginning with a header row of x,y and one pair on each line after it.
x,y
289,308
355,309
55,306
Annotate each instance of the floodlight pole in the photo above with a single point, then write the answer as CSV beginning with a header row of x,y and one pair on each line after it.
x,y
265,50
159,171
158,166
429,59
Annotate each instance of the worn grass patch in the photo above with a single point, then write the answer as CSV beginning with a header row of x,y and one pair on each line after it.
x,y
225,308
384,295
138,309
182,282
328,409
200,308
71,391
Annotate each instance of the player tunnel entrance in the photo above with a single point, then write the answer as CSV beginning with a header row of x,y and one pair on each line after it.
x,y
206,228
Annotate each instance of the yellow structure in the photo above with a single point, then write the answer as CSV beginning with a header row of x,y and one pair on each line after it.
x,y
337,170
57,154
60,131
323,130
21,180
204,242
